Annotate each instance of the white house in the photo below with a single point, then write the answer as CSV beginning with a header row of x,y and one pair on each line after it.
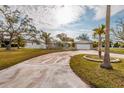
x,y
83,44
31,44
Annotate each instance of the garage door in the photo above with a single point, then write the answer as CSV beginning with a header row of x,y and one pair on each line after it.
x,y
83,46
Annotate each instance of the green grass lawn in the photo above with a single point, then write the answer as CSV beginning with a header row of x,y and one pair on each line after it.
x,y
97,57
116,50
9,58
92,74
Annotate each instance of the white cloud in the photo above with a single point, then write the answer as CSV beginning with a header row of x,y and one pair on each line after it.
x,y
69,14
51,17
100,11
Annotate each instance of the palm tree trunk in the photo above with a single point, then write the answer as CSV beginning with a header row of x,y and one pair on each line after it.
x,y
46,44
100,46
106,63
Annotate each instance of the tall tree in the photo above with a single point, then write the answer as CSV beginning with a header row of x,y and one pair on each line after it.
x,y
14,24
1,37
99,31
20,41
83,37
106,63
46,37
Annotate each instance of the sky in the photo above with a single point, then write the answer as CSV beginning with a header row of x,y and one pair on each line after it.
x,y
72,20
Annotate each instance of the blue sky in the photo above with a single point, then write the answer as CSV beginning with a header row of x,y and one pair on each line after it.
x,y
86,23
72,20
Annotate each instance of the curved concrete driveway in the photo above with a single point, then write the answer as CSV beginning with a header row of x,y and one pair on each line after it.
x,y
50,70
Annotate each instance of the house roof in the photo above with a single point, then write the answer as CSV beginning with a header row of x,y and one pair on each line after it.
x,y
84,42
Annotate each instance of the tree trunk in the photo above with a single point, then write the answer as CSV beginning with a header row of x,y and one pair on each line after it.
x,y
106,63
0,44
18,46
46,45
100,46
9,46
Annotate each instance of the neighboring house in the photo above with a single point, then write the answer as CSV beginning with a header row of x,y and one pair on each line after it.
x,y
83,44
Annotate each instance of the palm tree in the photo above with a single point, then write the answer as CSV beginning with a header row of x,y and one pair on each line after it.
x,y
46,38
99,31
106,63
83,37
